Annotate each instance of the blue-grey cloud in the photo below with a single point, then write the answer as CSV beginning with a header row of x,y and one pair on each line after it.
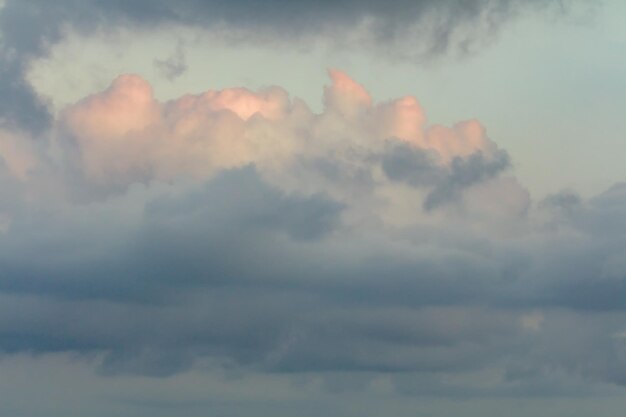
x,y
420,168
465,172
241,272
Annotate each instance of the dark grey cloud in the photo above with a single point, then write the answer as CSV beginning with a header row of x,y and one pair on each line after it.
x,y
195,234
415,166
254,278
465,172
20,106
28,28
420,168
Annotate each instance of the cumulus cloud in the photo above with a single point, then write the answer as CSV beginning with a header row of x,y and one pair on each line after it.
x,y
123,135
241,228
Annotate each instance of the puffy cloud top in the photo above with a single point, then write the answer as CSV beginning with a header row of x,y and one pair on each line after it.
x,y
124,132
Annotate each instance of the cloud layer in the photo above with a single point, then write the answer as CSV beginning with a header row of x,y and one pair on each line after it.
x,y
241,228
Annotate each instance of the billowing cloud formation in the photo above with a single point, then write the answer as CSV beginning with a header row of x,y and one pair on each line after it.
x,y
124,134
244,230
409,28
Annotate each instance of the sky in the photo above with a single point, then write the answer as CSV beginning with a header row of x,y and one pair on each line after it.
x,y
295,208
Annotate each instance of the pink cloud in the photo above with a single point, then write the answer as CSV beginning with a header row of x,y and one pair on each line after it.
x,y
17,154
127,106
404,119
345,95
463,139
125,134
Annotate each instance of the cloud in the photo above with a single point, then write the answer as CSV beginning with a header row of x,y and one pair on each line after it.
x,y
123,135
420,168
174,66
242,229
464,173
25,31
403,162
20,106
